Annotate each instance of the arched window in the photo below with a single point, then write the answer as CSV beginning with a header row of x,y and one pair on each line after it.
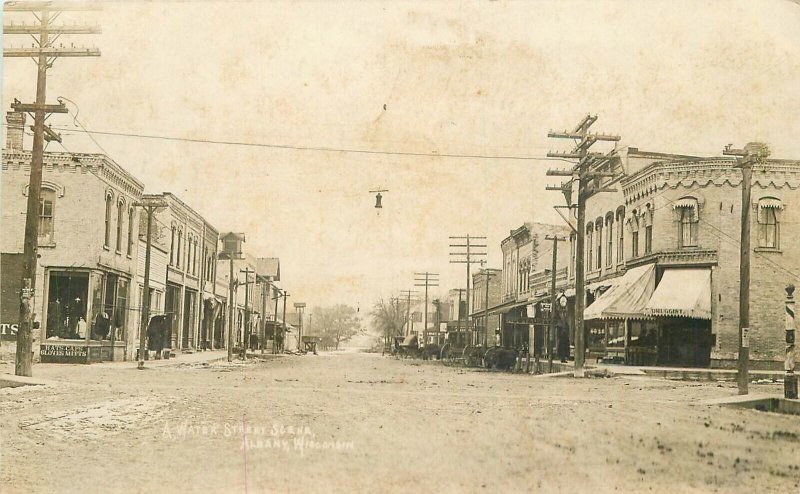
x,y
688,218
648,230
598,225
589,246
109,209
621,234
47,201
178,253
610,239
634,222
172,248
120,221
130,232
769,223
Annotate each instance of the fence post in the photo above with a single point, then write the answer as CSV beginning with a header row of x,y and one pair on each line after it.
x,y
790,379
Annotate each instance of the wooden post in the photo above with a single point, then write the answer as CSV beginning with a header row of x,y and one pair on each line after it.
x,y
790,380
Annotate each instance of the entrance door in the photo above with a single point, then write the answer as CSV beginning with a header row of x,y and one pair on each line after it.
x,y
187,341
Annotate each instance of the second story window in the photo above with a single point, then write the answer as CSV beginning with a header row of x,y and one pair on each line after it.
x,y
109,209
120,221
621,234
47,201
688,218
599,228
610,237
634,222
769,230
130,232
589,246
648,239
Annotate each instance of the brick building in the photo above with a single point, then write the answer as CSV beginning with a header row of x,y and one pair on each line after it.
x,y
662,259
88,250
486,293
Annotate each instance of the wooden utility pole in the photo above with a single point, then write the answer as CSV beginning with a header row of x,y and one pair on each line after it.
x,y
429,280
752,154
285,296
551,328
246,329
275,320
460,293
150,204
407,324
583,176
488,275
45,55
473,254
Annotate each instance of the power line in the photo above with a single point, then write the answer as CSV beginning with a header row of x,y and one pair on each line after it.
x,y
325,149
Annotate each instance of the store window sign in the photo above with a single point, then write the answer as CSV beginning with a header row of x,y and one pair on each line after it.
x,y
8,329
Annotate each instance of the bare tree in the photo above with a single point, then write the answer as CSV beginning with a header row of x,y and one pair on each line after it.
x,y
388,318
334,325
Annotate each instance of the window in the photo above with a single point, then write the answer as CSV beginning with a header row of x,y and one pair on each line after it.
x,y
130,232
109,207
686,209
120,220
172,248
648,239
589,246
178,253
769,210
634,234
572,255
621,233
610,236
47,201
599,228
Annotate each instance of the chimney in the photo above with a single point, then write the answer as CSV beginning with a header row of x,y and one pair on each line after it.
x,y
14,130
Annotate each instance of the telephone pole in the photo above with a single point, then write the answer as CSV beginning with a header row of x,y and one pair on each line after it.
x,y
551,328
460,293
45,55
246,330
150,204
408,295
426,279
275,320
753,153
472,255
285,296
488,275
586,175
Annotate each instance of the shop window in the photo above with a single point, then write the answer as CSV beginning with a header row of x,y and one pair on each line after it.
x,y
66,305
47,201
769,210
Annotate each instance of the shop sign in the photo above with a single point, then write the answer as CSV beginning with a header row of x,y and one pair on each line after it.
x,y
9,329
63,353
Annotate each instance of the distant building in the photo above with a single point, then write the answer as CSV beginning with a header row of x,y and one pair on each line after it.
x,y
486,293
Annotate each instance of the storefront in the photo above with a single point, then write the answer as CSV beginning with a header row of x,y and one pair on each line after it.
x,y
86,315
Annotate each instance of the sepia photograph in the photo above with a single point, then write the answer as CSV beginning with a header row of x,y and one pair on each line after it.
x,y
400,246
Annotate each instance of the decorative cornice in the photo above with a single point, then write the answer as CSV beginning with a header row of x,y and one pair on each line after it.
x,y
704,173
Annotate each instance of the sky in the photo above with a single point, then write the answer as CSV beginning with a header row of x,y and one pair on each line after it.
x,y
446,77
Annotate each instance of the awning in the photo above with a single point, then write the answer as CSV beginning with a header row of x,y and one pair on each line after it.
x,y
627,297
502,309
770,202
682,293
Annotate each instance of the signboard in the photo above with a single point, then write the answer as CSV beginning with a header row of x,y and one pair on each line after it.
x,y
64,354
745,337
546,306
8,331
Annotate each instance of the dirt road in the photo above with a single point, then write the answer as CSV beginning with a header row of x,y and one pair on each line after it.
x,y
351,422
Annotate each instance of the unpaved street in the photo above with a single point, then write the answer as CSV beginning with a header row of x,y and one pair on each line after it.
x,y
350,422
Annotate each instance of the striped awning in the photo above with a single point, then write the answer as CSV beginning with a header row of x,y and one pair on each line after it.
x,y
626,299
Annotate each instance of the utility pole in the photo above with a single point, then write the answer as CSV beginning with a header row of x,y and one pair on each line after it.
x,y
752,154
45,55
460,293
488,276
150,204
585,175
472,251
408,293
299,306
285,296
429,280
551,328
246,330
275,320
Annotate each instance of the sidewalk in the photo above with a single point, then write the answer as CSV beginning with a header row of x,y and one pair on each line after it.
x,y
184,358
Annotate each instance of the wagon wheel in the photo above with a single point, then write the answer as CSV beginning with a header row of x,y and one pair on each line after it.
x,y
446,355
470,356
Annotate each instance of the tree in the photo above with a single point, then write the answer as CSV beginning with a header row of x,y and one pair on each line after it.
x,y
388,318
334,325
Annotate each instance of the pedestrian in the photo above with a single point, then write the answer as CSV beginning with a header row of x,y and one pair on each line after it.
x,y
81,328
